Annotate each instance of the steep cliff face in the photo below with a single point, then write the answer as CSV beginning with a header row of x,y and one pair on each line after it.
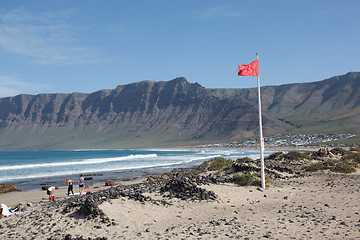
x,y
140,114
40,109
323,99
176,112
329,105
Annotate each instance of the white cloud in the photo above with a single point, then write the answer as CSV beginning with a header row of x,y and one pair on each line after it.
x,y
11,86
44,38
218,12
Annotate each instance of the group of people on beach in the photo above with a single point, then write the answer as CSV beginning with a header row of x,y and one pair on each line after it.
x,y
70,184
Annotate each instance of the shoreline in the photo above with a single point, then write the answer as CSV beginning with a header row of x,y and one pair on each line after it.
x,y
34,193
203,206
121,174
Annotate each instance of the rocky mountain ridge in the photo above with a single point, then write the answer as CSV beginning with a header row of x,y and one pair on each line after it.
x,y
172,113
333,103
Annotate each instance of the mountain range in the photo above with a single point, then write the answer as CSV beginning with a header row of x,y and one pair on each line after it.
x,y
176,113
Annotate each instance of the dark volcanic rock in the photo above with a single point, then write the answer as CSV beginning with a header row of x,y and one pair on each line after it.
x,y
180,187
7,187
109,183
185,189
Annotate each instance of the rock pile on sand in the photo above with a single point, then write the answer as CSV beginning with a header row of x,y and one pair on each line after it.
x,y
181,187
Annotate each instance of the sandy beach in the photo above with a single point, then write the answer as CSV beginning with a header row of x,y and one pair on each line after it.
x,y
35,196
302,209
321,205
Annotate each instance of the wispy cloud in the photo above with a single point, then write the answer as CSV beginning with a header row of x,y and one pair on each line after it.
x,y
218,12
44,38
12,85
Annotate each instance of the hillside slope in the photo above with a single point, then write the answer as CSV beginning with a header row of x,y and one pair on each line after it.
x,y
331,105
143,114
175,113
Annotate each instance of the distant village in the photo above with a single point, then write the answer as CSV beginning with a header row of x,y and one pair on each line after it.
x,y
288,140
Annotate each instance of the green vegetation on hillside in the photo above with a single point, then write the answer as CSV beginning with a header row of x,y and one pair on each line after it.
x,y
349,161
223,166
251,179
216,164
292,155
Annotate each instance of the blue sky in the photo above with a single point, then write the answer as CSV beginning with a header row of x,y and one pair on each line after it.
x,y
50,46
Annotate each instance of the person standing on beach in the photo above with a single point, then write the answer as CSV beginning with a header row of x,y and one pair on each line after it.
x,y
81,184
70,183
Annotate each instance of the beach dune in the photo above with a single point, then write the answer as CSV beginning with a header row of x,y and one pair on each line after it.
x,y
318,206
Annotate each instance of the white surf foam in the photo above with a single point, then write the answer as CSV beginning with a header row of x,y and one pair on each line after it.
x,y
103,169
81,162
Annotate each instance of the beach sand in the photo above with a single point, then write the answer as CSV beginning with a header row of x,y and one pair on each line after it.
x,y
317,206
33,196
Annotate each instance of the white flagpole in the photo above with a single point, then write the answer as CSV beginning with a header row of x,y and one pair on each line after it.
x,y
261,135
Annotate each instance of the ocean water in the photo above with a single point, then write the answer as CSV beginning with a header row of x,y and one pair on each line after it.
x,y
29,169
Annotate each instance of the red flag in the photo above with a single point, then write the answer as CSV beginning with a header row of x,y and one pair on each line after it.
x,y
252,69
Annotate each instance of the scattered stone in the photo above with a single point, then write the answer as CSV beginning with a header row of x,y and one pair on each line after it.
x,y
10,187
166,176
68,237
110,183
153,178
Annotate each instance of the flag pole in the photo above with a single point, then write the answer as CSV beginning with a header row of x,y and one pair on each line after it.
x,y
261,135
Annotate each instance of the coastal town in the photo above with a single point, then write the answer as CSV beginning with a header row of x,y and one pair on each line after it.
x,y
288,140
